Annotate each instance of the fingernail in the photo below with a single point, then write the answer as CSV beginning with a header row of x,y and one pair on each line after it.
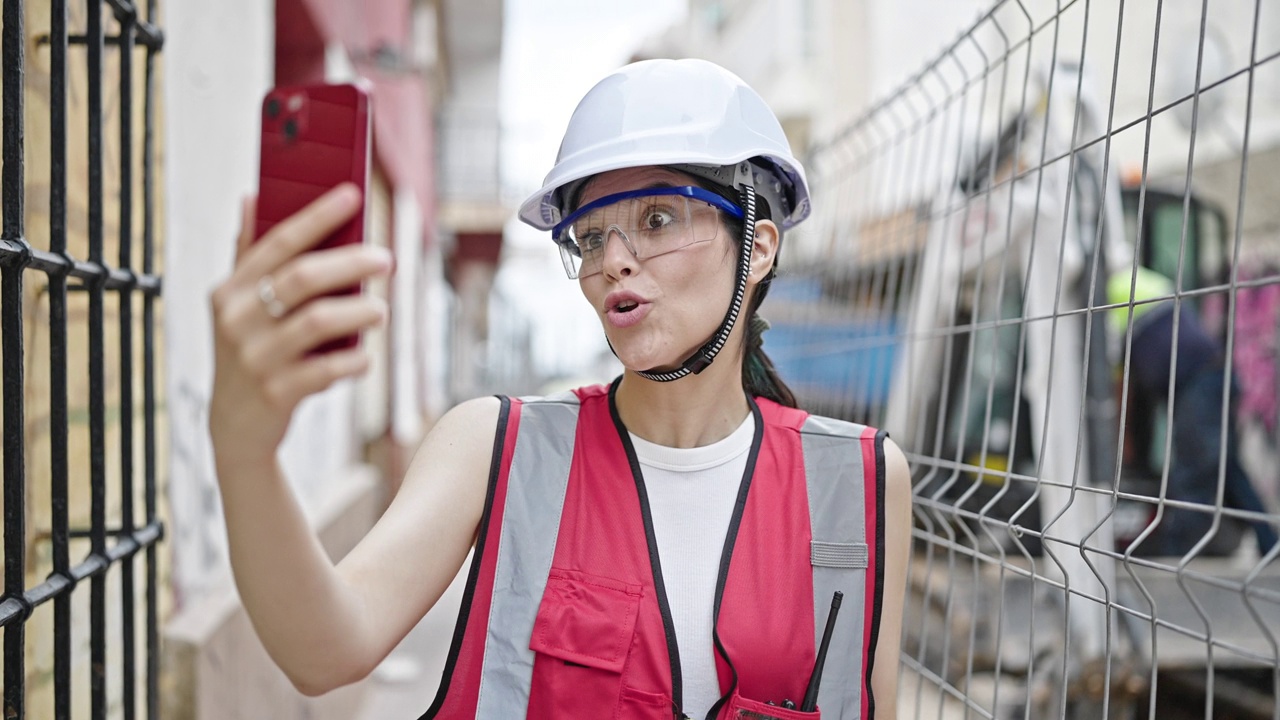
x,y
348,194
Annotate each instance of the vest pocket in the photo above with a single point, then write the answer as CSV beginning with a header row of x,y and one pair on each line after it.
x,y
741,708
582,635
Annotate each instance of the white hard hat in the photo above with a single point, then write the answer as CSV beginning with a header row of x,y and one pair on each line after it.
x,y
673,112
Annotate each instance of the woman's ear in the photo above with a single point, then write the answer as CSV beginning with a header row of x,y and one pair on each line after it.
x,y
765,251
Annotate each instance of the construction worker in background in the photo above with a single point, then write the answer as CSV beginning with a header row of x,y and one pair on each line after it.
x,y
1169,340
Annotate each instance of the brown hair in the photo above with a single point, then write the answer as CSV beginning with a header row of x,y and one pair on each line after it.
x,y
759,376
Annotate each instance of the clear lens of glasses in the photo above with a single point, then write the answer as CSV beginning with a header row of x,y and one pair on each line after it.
x,y
648,225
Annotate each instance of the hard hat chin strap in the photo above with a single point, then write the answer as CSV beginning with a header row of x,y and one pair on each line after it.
x,y
705,354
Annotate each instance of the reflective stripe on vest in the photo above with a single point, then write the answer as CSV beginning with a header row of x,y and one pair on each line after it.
x,y
490,672
528,473
845,504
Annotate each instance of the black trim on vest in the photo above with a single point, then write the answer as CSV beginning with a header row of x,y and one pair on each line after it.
x,y
473,575
660,589
879,579
726,555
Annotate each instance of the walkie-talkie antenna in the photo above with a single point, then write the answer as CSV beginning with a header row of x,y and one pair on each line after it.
x,y
811,694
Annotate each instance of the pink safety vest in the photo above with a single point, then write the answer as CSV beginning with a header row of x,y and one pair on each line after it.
x,y
565,612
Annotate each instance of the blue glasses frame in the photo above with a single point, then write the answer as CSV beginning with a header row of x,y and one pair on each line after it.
x,y
688,191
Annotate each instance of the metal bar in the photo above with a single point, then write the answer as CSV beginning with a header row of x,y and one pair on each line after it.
x,y
58,493
147,36
11,173
1224,421
95,566
84,533
128,655
60,263
123,9
14,481
11,320
93,274
97,372
149,372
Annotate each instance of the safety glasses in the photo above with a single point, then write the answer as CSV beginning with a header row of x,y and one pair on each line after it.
x,y
650,222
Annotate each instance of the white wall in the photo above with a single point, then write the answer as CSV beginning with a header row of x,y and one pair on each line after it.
x,y
469,135
905,34
407,288
218,64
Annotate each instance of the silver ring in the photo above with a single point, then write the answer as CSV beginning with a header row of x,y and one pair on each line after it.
x,y
270,303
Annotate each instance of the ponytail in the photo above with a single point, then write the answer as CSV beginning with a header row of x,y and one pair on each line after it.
x,y
759,376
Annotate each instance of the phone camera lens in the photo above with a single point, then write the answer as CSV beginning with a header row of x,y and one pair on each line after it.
x,y
273,108
290,129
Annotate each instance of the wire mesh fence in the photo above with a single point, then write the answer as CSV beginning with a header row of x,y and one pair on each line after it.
x,y
1048,263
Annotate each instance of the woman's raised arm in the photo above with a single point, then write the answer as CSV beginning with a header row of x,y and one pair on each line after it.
x,y
326,626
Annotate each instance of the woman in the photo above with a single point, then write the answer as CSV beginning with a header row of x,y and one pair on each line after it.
x,y
668,546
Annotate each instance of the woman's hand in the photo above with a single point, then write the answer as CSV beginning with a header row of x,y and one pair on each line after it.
x,y
274,308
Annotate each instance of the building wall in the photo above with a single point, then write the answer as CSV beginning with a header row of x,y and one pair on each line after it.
x,y
472,213
211,94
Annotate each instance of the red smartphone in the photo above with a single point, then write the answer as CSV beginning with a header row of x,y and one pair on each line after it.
x,y
313,138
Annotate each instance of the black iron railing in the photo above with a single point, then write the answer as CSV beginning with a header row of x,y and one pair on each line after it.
x,y
112,549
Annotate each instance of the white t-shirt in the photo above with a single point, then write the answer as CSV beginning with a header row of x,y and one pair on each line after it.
x,y
692,492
